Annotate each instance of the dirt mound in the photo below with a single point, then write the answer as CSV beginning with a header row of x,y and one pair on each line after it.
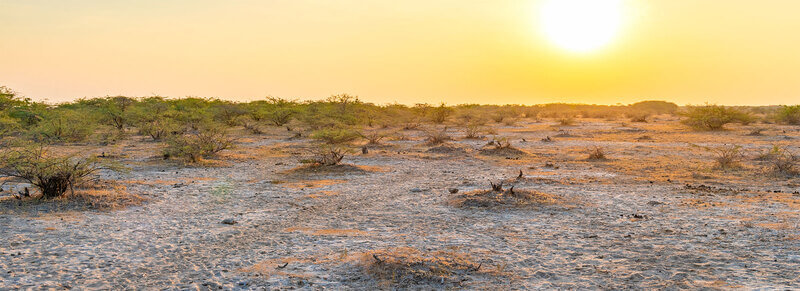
x,y
507,198
316,169
405,267
446,149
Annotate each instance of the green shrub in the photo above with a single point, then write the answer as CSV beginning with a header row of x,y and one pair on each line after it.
x,y
64,126
335,135
51,175
194,146
789,115
714,117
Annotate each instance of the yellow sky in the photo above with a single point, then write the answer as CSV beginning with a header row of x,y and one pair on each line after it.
x,y
457,51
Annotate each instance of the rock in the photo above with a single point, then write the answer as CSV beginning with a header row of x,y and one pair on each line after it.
x,y
453,190
416,190
229,221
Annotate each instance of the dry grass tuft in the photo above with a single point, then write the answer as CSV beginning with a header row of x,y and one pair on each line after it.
x,y
405,267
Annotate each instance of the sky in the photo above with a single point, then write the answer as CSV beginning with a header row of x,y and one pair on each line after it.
x,y
733,52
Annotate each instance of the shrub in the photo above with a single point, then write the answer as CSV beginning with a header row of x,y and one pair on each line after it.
x,y
159,129
248,123
789,115
728,157
373,137
783,161
440,114
64,126
435,137
472,131
714,117
335,135
51,175
202,144
328,155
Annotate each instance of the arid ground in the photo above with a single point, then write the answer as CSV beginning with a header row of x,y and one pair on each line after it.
x,y
656,212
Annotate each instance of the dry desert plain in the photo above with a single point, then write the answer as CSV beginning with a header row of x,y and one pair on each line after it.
x,y
656,212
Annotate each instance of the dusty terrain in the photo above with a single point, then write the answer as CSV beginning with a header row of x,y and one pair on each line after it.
x,y
654,214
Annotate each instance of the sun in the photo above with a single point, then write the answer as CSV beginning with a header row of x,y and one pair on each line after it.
x,y
581,26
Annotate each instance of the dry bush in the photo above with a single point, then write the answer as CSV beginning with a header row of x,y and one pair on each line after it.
x,y
472,131
435,137
407,267
596,154
250,124
728,157
52,175
499,197
194,146
327,155
783,161
373,137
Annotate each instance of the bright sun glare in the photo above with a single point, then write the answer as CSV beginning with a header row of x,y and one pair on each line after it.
x,y
581,26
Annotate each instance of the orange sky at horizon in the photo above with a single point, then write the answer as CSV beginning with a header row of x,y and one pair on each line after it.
x,y
735,52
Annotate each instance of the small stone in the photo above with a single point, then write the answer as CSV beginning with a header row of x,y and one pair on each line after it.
x,y
229,221
453,190
416,190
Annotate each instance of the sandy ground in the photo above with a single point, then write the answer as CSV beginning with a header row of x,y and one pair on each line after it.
x,y
656,214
